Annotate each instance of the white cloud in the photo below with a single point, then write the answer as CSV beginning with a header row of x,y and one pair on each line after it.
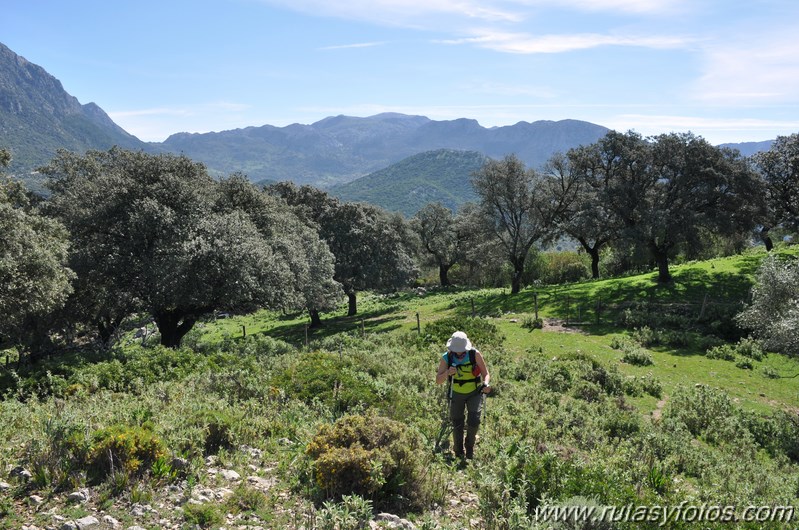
x,y
356,45
715,130
402,12
619,6
524,43
762,69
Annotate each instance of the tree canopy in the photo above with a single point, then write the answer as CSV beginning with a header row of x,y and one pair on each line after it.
x,y
156,233
34,277
370,246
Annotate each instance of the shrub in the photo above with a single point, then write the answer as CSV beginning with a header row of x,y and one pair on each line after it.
x,y
246,499
699,409
204,515
632,386
646,336
352,513
367,455
132,449
652,385
531,323
770,373
637,357
773,315
724,352
744,363
556,378
482,333
218,429
334,380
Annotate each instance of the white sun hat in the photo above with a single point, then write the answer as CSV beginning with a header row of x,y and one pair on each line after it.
x,y
459,342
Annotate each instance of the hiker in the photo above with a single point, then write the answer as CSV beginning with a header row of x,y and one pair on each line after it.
x,y
466,370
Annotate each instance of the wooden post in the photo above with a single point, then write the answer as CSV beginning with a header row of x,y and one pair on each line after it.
x,y
704,305
598,308
473,315
568,309
535,301
418,325
243,332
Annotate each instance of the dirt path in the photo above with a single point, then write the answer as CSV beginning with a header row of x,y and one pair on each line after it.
x,y
559,326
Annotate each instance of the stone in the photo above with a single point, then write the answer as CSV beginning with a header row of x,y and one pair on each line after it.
x,y
110,521
78,496
260,483
179,464
35,500
88,523
136,528
4,486
69,525
21,473
395,521
229,474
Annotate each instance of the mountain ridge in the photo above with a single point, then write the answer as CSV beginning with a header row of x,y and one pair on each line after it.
x,y
38,117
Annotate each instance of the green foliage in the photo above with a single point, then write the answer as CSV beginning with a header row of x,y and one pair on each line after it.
x,y
637,357
122,448
773,315
532,323
367,455
481,332
246,499
205,515
352,513
33,269
330,378
429,177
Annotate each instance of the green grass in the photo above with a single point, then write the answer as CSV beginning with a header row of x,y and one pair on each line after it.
x,y
722,281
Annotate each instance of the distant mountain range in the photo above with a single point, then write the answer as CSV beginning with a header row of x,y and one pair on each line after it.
x,y
37,117
441,176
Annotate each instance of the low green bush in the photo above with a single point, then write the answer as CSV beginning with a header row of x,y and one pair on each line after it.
x,y
637,357
132,449
206,515
368,455
482,332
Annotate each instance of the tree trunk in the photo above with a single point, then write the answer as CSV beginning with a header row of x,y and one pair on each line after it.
x,y
662,259
352,309
173,326
316,321
766,239
442,274
594,253
516,282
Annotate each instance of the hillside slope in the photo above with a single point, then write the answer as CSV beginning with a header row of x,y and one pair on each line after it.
x,y
433,176
38,117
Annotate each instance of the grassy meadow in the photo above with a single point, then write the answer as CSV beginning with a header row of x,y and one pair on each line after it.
x,y
258,421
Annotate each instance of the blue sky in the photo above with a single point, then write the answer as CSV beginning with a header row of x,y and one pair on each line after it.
x,y
723,69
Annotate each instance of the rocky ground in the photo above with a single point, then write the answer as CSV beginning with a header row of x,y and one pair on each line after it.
x,y
164,507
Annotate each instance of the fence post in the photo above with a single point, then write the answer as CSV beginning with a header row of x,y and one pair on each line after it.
x,y
418,325
568,309
535,301
704,305
598,308
243,332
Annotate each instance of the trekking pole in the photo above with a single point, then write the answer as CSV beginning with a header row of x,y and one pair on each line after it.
x,y
445,422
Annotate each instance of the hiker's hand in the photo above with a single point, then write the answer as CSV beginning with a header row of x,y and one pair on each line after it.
x,y
486,389
452,371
